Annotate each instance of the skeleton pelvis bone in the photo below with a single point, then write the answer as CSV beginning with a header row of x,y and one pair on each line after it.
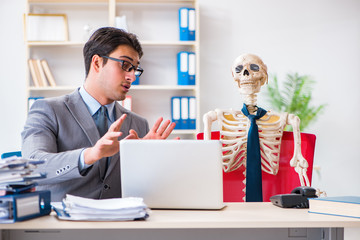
x,y
250,73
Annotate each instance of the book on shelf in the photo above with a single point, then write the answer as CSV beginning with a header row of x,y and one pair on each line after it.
x,y
48,73
43,80
33,72
345,206
41,73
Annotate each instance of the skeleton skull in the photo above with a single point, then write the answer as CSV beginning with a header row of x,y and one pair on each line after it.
x,y
250,73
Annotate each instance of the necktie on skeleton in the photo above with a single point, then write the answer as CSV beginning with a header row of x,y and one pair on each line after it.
x,y
102,126
253,158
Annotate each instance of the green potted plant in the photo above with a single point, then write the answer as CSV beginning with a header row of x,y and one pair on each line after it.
x,y
295,97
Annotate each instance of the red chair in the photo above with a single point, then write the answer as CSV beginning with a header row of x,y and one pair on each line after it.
x,y
286,179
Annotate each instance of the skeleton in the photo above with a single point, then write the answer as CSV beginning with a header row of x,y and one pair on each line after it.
x,y
250,73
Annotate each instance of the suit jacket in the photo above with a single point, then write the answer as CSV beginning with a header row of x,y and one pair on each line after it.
x,y
58,130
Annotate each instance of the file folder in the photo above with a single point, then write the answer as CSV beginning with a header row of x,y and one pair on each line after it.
x,y
183,68
191,24
192,113
137,81
31,100
184,24
192,68
175,111
184,112
23,206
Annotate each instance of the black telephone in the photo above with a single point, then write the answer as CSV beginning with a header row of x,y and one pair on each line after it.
x,y
298,198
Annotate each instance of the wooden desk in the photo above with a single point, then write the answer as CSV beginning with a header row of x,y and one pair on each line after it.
x,y
235,216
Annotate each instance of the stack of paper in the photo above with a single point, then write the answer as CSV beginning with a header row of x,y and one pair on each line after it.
x,y
114,209
17,174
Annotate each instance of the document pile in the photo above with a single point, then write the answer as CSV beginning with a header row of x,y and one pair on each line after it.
x,y
18,199
114,209
18,170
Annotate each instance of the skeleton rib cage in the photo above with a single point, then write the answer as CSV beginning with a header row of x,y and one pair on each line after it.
x,y
234,130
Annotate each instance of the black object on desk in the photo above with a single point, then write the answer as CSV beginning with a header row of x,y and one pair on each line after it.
x,y
298,198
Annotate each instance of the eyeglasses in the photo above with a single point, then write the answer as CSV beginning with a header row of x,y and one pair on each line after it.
x,y
127,66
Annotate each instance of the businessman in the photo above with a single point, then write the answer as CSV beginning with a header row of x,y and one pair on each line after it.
x,y
70,132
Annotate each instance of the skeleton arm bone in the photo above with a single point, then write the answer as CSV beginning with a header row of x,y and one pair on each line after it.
x,y
208,119
298,161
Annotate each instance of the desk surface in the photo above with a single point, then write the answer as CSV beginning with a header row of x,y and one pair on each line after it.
x,y
235,215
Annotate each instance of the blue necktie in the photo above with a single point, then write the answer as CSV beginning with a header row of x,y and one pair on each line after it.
x,y
253,158
101,122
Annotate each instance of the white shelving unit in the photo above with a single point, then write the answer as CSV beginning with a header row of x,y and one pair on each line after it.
x,y
155,22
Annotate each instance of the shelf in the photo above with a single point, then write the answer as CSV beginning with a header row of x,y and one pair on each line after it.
x,y
134,87
46,44
106,1
68,1
189,131
80,44
155,1
59,88
162,87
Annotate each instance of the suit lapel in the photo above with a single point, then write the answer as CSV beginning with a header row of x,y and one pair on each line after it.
x,y
81,114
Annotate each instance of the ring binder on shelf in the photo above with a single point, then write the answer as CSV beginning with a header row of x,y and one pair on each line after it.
x,y
23,206
183,68
192,24
192,68
192,113
187,24
175,112
184,112
184,24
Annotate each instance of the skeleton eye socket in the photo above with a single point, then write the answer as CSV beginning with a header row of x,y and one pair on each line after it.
x,y
239,68
254,67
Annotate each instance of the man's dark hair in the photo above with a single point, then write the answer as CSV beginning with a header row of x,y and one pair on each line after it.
x,y
105,40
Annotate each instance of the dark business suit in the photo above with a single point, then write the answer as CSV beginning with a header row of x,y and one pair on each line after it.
x,y
57,130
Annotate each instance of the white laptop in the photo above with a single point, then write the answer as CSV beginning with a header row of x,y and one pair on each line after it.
x,y
173,174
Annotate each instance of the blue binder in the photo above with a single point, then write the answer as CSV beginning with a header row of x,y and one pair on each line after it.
x,y
175,111
184,112
31,100
137,81
191,24
192,112
183,68
23,206
191,68
184,24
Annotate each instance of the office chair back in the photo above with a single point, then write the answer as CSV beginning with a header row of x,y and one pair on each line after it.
x,y
9,154
286,179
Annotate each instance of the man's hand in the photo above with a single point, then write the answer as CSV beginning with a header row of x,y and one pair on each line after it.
x,y
160,132
108,145
157,131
